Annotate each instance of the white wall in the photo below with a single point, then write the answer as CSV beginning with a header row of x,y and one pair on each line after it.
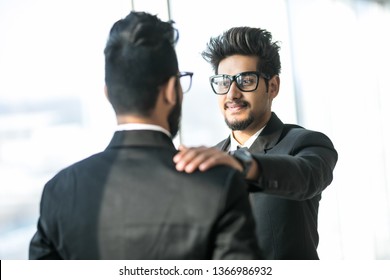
x,y
341,64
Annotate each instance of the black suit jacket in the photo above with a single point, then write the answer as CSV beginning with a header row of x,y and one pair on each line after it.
x,y
129,202
296,166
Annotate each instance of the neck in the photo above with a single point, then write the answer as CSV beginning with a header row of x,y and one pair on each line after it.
x,y
124,119
242,136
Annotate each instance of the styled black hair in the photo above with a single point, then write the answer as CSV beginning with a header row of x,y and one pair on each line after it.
x,y
139,57
245,41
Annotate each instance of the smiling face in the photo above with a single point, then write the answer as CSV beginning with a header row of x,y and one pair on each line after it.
x,y
246,111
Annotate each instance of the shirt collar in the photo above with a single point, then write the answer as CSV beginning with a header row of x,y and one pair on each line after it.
x,y
142,126
248,143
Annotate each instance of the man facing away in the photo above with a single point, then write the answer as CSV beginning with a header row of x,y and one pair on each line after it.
x,y
288,166
129,201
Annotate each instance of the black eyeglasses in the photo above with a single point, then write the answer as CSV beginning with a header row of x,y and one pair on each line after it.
x,y
185,80
245,81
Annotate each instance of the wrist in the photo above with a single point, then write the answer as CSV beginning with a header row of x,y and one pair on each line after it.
x,y
253,173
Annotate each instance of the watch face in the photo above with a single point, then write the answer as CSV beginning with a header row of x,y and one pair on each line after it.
x,y
244,154
245,158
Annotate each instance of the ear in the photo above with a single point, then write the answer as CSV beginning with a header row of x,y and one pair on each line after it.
x,y
106,92
273,86
169,91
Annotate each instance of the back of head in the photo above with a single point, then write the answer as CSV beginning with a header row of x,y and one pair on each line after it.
x,y
139,57
245,41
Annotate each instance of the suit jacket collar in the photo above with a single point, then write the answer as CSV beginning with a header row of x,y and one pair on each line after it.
x,y
141,138
270,136
267,139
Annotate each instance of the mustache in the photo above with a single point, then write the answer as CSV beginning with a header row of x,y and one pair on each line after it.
x,y
236,103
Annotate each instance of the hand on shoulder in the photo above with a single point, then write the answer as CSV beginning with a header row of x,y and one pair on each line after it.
x,y
189,159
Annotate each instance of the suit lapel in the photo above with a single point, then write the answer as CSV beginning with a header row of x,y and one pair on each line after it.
x,y
269,137
224,145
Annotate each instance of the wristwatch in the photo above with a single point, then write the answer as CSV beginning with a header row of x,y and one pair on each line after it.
x,y
244,157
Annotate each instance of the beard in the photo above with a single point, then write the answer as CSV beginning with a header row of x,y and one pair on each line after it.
x,y
240,125
175,117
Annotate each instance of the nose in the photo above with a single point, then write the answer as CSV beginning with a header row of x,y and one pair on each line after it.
x,y
234,92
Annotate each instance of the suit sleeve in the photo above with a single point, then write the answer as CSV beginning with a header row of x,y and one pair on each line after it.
x,y
235,229
41,247
301,168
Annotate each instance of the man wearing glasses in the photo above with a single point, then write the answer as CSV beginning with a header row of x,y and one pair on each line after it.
x,y
129,201
286,165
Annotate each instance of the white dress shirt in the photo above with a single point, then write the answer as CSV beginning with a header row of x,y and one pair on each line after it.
x,y
142,126
248,143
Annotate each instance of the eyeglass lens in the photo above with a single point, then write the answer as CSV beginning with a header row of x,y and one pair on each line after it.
x,y
245,82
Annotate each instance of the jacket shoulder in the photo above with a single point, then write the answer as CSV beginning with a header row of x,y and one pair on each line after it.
x,y
299,137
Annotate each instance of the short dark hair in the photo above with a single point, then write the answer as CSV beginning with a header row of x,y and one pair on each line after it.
x,y
139,57
245,41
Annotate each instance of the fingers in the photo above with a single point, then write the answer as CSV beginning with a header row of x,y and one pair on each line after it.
x,y
202,158
189,159
182,148
182,155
